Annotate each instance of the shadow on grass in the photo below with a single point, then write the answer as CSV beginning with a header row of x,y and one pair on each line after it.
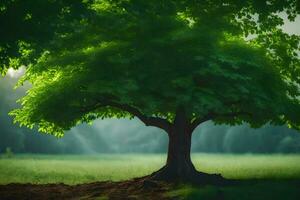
x,y
240,190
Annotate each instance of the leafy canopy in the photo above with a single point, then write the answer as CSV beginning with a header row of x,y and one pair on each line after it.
x,y
122,58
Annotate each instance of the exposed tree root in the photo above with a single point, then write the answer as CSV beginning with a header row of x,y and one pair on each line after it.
x,y
189,175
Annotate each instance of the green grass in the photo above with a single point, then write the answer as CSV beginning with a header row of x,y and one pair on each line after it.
x,y
71,169
250,166
277,174
75,169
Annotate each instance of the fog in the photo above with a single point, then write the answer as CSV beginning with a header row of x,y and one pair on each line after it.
x,y
132,136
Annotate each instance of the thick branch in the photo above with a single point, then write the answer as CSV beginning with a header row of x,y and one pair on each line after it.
x,y
148,121
213,115
200,120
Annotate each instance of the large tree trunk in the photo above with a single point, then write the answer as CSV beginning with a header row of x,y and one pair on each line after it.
x,y
179,167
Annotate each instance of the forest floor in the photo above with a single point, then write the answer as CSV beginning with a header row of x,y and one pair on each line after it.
x,y
132,189
137,189
104,177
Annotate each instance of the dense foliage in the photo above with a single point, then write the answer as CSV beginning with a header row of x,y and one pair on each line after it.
x,y
104,58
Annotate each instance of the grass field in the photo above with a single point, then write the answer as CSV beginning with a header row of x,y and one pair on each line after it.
x,y
278,175
75,169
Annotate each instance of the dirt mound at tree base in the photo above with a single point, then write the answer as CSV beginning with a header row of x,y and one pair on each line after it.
x,y
132,189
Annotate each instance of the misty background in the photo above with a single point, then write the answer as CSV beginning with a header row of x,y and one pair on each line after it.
x,y
132,136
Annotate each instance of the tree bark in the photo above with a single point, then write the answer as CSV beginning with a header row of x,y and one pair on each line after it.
x,y
179,167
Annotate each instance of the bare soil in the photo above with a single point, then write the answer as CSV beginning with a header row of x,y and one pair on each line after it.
x,y
131,189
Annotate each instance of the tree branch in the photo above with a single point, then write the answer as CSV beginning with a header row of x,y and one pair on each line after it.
x,y
213,115
200,120
148,121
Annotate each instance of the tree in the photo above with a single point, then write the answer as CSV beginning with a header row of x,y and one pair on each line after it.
x,y
172,64
28,26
